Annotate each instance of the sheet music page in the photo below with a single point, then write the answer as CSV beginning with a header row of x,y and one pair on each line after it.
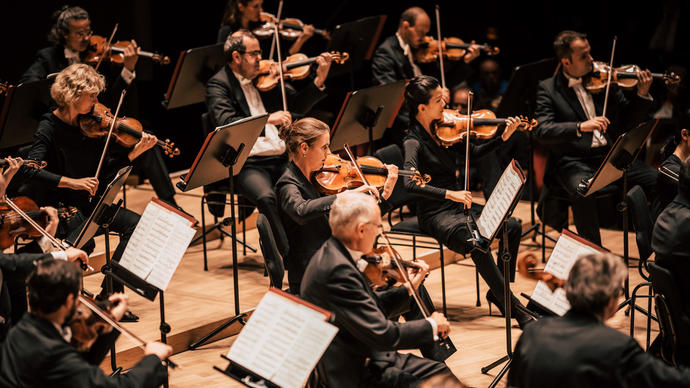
x,y
157,245
499,202
282,341
564,254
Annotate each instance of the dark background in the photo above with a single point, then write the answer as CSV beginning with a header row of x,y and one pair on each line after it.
x,y
525,32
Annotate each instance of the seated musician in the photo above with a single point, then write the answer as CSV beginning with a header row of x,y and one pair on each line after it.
x,y
231,95
394,61
440,212
16,266
38,353
579,349
333,282
70,35
578,135
303,210
246,14
73,157
678,149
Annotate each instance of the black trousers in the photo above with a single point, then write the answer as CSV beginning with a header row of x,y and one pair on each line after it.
x,y
401,370
585,215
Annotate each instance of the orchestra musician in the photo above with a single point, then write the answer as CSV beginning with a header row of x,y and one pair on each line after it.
x,y
441,213
579,349
333,281
73,157
303,210
37,352
70,35
231,95
578,136
678,149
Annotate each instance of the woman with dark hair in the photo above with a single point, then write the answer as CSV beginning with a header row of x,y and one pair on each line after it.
x,y
440,213
676,151
246,14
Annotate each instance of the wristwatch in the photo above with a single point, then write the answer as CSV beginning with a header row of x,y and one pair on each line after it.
x,y
577,130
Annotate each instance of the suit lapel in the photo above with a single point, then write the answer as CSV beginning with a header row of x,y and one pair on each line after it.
x,y
236,91
365,282
569,96
407,70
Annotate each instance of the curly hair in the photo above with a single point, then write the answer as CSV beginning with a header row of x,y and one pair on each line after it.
x,y
74,81
61,19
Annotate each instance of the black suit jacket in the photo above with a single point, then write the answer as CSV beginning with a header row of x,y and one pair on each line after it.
x,y
577,350
333,282
35,355
558,112
226,102
389,63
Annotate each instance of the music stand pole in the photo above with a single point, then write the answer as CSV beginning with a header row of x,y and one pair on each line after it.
x,y
507,303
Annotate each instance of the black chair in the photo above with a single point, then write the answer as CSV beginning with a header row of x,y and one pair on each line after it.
x,y
674,323
643,226
272,258
409,227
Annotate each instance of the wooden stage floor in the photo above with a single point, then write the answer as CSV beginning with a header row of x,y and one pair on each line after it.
x,y
197,301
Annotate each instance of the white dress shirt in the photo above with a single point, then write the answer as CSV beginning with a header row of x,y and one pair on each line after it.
x,y
585,98
270,144
407,50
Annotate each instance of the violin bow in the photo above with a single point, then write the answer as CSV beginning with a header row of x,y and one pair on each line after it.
x,y
110,131
61,245
359,170
275,22
91,304
608,81
397,259
112,35
467,146
440,46
280,63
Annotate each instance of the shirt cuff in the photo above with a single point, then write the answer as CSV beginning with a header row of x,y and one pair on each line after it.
x,y
45,244
321,88
648,97
59,255
434,327
128,75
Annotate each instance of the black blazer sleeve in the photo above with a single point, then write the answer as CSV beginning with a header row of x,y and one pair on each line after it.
x,y
548,130
412,148
220,103
384,64
641,369
39,68
20,262
300,209
40,148
395,300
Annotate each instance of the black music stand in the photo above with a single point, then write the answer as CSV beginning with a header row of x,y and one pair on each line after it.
x,y
520,99
615,166
365,115
221,157
193,69
358,38
21,111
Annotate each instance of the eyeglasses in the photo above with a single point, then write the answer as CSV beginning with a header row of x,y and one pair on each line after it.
x,y
256,53
83,34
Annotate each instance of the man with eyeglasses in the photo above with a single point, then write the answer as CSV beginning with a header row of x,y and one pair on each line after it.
x,y
364,352
231,95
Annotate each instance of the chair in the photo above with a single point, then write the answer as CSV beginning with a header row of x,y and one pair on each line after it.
x,y
409,227
674,324
272,258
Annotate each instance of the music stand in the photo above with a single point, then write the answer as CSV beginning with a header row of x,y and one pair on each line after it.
x,y
193,69
365,115
222,156
359,39
21,111
520,99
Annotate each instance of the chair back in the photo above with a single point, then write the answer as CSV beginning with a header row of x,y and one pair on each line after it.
x,y
641,220
392,154
673,322
272,258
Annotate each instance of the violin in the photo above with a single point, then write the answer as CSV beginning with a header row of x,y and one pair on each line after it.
x,y
100,50
26,162
87,326
295,67
527,266
624,76
126,132
12,225
338,175
453,49
288,28
380,270
483,125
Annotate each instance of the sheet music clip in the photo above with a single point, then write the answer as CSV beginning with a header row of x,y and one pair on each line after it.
x,y
230,155
244,376
478,242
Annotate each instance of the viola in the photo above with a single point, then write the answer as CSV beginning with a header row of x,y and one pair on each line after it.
x,y
295,67
99,50
338,175
87,326
126,132
624,76
12,225
527,266
288,28
453,48
483,125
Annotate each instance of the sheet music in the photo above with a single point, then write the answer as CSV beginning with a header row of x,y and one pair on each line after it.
x,y
282,341
157,245
499,201
564,254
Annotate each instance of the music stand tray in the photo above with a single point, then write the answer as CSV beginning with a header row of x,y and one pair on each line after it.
x,y
21,111
193,69
366,113
359,39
